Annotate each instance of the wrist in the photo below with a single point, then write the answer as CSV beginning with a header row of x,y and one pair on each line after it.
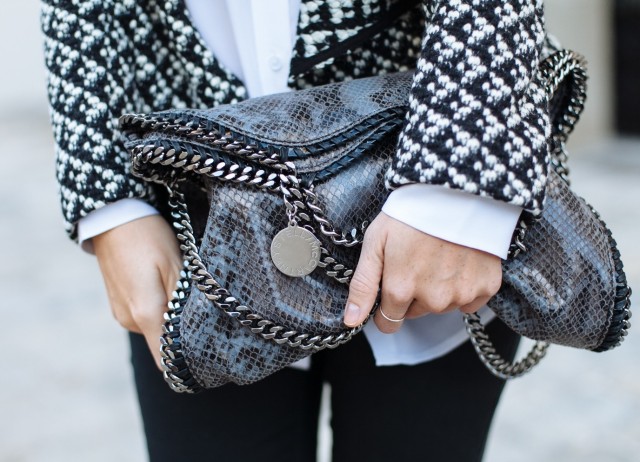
x,y
455,216
110,217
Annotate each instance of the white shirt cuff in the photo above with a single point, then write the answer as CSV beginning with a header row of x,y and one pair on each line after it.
x,y
110,216
456,216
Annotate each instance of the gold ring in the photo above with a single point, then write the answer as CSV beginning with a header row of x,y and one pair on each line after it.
x,y
388,318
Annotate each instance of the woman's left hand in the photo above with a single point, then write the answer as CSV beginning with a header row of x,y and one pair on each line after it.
x,y
418,274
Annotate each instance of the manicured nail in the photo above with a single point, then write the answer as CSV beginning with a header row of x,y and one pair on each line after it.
x,y
352,314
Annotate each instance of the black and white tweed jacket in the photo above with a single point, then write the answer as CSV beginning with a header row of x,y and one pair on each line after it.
x,y
477,120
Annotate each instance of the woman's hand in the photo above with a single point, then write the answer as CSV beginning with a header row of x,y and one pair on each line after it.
x,y
140,262
419,274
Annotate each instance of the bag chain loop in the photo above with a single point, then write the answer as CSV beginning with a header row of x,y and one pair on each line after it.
x,y
553,72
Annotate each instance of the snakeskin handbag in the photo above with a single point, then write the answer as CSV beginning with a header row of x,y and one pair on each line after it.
x,y
270,199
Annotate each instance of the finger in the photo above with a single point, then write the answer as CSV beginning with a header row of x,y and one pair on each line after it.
x,y
389,320
396,298
120,295
149,312
119,309
475,305
170,276
416,310
431,305
124,317
152,335
150,318
363,288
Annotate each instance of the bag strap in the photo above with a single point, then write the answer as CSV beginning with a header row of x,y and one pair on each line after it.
x,y
297,200
499,366
175,370
563,77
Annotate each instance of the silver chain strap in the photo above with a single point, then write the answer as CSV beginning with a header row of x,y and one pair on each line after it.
x,y
224,301
497,365
553,71
174,367
354,237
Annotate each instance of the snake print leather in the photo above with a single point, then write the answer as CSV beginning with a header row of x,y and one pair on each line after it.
x,y
340,139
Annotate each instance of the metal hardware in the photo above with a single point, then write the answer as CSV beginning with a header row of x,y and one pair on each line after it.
x,y
174,368
497,365
553,71
355,237
517,242
295,251
383,314
176,372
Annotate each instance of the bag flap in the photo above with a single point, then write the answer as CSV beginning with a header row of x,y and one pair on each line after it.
x,y
302,119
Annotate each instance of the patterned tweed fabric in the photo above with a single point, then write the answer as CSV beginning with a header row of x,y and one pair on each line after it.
x,y
477,120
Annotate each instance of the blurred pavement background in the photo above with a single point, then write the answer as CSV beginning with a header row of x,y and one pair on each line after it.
x,y
67,391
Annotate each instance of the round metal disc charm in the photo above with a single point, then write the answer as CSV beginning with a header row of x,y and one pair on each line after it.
x,y
295,251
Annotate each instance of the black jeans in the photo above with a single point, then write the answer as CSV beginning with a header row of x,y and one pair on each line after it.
x,y
436,411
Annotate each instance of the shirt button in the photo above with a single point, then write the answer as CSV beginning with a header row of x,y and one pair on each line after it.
x,y
275,63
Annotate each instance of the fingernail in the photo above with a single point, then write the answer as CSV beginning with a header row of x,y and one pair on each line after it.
x,y
352,314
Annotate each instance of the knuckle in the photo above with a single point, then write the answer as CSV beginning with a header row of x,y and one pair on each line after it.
x,y
438,302
143,316
465,298
417,309
493,286
124,318
397,294
362,285
471,308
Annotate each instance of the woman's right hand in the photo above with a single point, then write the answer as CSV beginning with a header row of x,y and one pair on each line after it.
x,y
140,262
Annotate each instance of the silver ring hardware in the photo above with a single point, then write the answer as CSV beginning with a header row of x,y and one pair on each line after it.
x,y
388,318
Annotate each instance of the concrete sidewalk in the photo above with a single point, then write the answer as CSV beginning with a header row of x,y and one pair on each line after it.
x,y
67,391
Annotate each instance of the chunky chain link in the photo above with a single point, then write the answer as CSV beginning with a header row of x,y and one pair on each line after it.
x,y
175,370
302,204
174,366
499,366
224,301
553,71
353,238
517,241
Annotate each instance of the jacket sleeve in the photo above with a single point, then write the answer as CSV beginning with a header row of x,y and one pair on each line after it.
x,y
477,120
88,69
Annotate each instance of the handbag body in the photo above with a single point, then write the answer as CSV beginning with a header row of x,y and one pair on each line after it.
x,y
270,199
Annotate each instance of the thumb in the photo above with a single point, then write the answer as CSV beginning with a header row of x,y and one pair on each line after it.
x,y
365,283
